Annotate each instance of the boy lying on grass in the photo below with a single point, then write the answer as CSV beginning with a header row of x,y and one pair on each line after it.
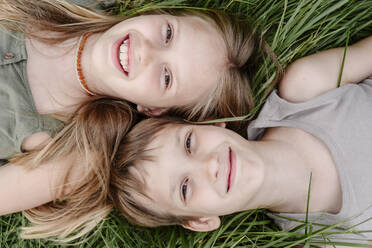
x,y
170,172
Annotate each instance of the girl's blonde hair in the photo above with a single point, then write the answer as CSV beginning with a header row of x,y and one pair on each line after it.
x,y
231,97
93,135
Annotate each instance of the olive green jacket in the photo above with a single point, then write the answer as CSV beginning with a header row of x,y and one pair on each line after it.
x,y
18,115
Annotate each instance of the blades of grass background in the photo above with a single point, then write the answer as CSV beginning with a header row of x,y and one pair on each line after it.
x,y
307,204
343,60
238,225
291,23
172,239
279,29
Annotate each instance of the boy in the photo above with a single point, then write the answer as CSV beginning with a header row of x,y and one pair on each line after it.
x,y
169,172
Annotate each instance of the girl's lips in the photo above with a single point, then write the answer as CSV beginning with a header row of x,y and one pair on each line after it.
x,y
115,51
232,169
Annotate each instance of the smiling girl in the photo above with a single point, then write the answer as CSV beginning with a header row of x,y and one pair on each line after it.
x,y
178,60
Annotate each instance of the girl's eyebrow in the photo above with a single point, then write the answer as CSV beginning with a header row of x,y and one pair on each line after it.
x,y
176,35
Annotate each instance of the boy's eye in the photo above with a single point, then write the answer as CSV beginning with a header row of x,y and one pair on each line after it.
x,y
169,34
184,188
188,142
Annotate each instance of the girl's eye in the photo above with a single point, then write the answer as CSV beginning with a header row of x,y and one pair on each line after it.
x,y
169,34
166,78
184,189
188,142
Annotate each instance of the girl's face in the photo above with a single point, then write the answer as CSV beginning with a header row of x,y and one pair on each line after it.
x,y
201,171
158,61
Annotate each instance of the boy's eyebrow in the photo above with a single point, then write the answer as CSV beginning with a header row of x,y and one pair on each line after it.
x,y
173,192
179,137
174,180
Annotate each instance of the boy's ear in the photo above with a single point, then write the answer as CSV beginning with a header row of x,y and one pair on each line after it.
x,y
150,111
203,224
220,124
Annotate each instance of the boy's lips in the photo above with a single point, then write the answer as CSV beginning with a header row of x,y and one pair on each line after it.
x,y
121,54
232,169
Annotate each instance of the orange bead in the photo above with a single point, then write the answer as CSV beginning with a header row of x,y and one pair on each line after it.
x,y
78,63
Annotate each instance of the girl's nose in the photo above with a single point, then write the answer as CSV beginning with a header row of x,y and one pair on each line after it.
x,y
147,53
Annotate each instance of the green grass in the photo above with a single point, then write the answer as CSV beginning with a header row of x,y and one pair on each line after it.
x,y
293,28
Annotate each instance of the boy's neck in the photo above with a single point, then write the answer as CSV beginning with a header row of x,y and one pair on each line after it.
x,y
291,156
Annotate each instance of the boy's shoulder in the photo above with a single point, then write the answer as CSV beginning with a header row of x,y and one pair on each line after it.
x,y
301,82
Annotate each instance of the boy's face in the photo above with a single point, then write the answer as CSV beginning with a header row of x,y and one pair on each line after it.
x,y
201,171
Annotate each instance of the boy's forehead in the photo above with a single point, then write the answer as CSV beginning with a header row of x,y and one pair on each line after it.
x,y
156,148
159,150
166,136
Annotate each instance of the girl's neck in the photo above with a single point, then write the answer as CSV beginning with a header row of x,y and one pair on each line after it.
x,y
53,77
291,156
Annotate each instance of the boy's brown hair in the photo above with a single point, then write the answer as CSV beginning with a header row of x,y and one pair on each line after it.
x,y
127,188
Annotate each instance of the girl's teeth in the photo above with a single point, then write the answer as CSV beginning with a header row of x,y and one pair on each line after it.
x,y
123,48
123,55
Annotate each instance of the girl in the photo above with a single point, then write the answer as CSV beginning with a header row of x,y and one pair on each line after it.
x,y
168,172
182,61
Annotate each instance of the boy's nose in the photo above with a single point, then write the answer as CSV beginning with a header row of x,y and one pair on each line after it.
x,y
211,167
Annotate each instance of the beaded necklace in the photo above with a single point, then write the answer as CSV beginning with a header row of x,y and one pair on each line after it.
x,y
79,69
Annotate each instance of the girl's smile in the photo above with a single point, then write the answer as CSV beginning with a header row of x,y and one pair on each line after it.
x,y
156,61
120,54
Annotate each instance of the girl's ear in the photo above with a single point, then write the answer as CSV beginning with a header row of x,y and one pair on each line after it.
x,y
220,124
150,111
203,224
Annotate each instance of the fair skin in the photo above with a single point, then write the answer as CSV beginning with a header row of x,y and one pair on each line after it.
x,y
173,61
219,172
208,171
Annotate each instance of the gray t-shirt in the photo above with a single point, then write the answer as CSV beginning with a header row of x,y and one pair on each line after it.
x,y
341,119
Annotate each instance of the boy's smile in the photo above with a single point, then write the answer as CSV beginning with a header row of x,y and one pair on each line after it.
x,y
200,171
232,169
